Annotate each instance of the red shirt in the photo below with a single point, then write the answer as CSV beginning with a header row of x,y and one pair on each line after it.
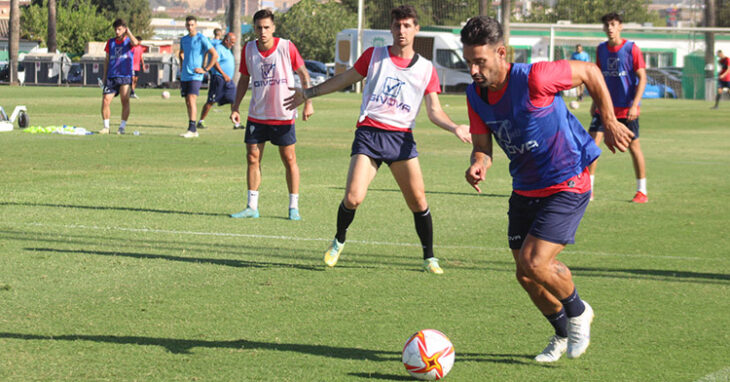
x,y
296,58
724,62
362,66
638,58
545,80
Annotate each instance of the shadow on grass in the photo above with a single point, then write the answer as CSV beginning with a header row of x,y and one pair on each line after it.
x,y
654,274
195,260
132,209
472,194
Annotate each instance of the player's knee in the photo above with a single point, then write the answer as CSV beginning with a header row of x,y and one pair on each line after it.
x,y
352,200
532,270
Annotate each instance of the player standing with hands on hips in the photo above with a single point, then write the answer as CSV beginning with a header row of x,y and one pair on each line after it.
x,y
549,153
398,80
269,62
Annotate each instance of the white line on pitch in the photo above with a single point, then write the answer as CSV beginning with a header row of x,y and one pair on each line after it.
x,y
280,237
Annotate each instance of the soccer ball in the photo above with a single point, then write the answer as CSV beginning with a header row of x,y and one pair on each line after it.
x,y
428,355
574,105
165,94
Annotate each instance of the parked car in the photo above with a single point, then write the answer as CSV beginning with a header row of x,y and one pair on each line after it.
x,y
75,74
657,90
317,73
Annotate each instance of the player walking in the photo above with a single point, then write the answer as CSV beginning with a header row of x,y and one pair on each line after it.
x,y
723,78
269,62
221,88
118,72
398,80
549,152
623,66
193,47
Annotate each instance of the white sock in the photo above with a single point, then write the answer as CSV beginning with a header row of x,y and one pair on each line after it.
x,y
106,123
253,199
123,124
593,179
294,201
201,121
641,185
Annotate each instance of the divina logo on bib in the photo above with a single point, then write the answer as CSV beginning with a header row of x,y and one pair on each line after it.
x,y
267,72
389,93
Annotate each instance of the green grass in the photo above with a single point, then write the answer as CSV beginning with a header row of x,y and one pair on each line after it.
x,y
118,260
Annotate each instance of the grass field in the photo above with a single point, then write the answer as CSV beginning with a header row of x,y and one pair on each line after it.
x,y
118,260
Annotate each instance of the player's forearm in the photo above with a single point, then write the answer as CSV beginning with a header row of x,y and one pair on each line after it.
x,y
132,39
334,84
640,89
442,120
213,61
599,91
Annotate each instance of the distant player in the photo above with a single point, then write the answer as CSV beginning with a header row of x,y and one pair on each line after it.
x,y
138,52
398,80
623,66
193,47
118,72
217,36
723,77
580,55
549,151
269,62
221,88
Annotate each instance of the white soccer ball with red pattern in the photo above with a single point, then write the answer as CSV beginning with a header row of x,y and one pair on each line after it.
x,y
428,355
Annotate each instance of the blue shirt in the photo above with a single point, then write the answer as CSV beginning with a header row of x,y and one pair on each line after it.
x,y
194,49
546,145
120,58
582,56
225,60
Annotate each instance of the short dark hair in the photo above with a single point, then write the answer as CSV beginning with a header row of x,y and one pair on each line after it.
x,y
217,31
404,12
119,23
607,18
263,14
191,17
482,30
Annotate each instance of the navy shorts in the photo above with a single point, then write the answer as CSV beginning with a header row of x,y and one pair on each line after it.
x,y
221,91
384,145
723,84
137,73
280,135
597,125
554,218
190,87
112,85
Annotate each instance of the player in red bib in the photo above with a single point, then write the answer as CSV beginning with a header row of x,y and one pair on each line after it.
x,y
723,77
398,80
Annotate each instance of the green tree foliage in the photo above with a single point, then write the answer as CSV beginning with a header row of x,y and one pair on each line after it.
x,y
313,27
430,12
591,11
77,22
723,13
136,13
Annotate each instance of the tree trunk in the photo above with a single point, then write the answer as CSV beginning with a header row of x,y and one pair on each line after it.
x,y
51,42
483,7
235,27
710,22
14,40
506,12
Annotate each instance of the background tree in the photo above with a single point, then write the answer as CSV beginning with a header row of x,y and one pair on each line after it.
x,y
52,45
136,13
14,40
313,27
78,22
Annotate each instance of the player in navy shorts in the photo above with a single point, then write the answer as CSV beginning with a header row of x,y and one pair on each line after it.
x,y
221,88
118,72
549,152
723,77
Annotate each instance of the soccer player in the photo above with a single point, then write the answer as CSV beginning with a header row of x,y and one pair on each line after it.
x,y
398,80
137,53
118,71
580,55
221,88
193,47
723,78
623,69
549,151
269,62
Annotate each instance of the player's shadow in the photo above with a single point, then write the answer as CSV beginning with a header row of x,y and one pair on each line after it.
x,y
654,274
194,260
471,194
131,209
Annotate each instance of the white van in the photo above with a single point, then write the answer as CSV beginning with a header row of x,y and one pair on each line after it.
x,y
443,49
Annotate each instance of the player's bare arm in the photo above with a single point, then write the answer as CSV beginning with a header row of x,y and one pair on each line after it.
x,y
334,84
634,109
213,60
617,136
241,90
481,159
106,66
306,84
438,116
133,40
217,67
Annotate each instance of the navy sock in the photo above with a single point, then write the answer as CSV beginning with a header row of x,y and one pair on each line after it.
x,y
191,126
344,218
424,228
559,321
573,305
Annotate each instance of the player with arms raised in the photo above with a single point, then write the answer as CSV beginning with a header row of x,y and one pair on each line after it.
x,y
549,152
